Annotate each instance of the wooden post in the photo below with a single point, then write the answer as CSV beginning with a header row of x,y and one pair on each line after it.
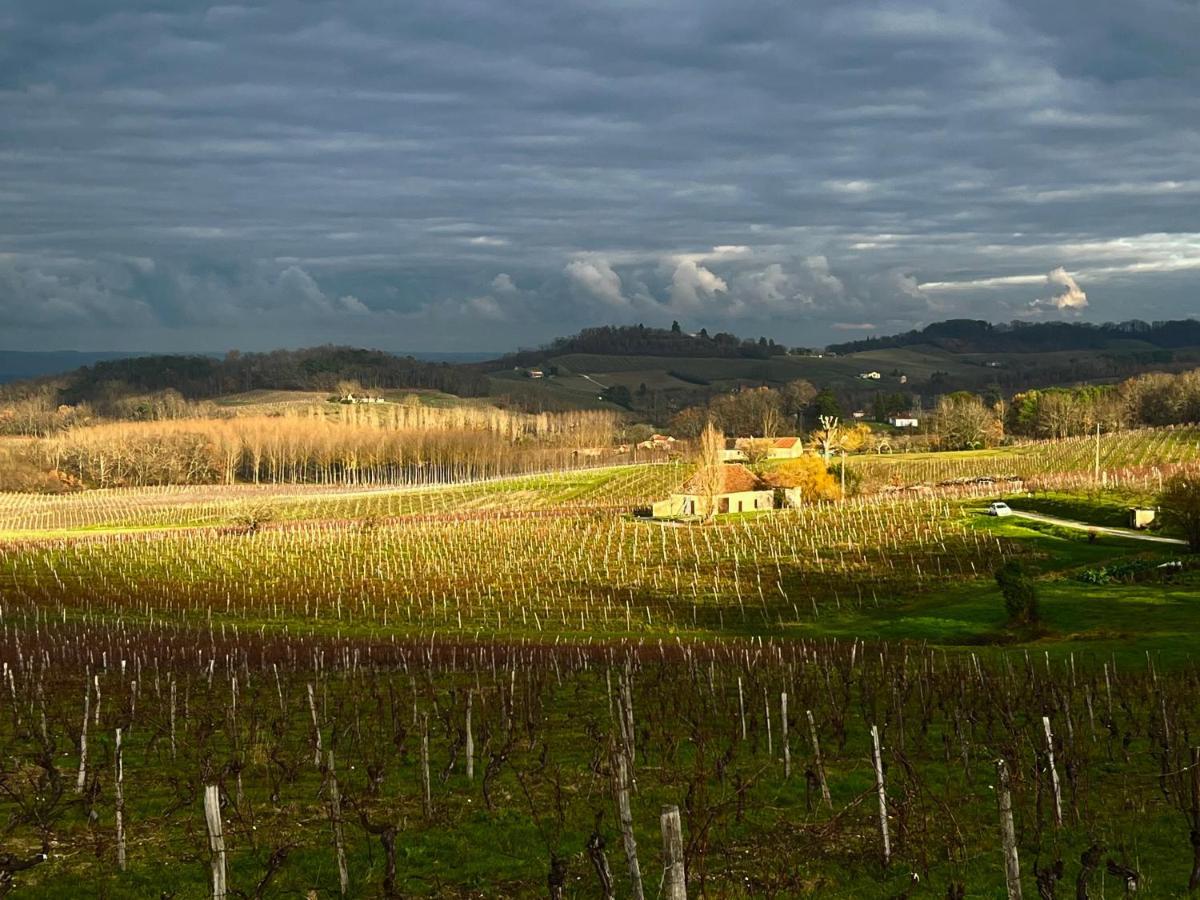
x,y
877,759
767,713
312,708
470,743
1008,834
426,791
1053,772
625,816
172,718
675,875
741,707
335,820
81,779
787,750
120,804
820,764
216,839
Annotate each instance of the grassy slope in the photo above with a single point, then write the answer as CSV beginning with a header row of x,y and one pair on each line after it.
x,y
918,362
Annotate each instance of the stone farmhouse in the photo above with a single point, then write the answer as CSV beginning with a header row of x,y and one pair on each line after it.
x,y
780,448
740,491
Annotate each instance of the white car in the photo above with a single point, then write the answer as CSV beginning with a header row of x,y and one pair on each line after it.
x,y
999,508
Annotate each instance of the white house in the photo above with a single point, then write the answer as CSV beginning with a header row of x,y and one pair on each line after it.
x,y
904,422
870,376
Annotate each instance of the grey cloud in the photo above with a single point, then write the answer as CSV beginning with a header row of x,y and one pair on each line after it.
x,y
776,167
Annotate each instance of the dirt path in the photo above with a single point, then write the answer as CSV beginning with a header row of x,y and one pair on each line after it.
x,y
1099,529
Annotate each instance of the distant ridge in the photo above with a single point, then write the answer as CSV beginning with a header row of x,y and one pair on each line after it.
x,y
978,336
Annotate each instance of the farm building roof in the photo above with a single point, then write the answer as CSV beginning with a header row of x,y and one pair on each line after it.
x,y
785,443
736,479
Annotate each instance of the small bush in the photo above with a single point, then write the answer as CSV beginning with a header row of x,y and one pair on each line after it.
x,y
1020,593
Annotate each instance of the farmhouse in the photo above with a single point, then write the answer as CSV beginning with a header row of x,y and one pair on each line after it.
x,y
351,397
738,450
870,376
658,442
739,490
904,422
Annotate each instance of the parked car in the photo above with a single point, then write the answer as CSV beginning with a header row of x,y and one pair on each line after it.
x,y
999,508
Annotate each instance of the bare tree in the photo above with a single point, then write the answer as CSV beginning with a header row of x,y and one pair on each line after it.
x,y
710,477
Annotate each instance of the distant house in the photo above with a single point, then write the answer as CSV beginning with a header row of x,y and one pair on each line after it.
x,y
870,376
658,442
778,448
859,414
739,490
904,422
904,379
534,373
351,397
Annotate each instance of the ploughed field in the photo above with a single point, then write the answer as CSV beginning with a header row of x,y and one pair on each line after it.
x,y
495,689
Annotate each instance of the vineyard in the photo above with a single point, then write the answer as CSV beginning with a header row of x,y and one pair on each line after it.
x,y
517,688
458,769
1137,459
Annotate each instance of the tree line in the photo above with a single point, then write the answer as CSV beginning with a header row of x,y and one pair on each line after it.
x,y
402,444
978,336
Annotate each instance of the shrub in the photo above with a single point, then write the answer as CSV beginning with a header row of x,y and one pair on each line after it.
x,y
1020,593
1180,500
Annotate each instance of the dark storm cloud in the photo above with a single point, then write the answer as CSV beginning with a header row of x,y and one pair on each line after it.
x,y
482,174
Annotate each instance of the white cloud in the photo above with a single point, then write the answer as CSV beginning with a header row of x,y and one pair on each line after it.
x,y
1068,296
595,278
693,285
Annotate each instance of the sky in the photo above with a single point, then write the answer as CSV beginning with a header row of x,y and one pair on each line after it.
x,y
487,174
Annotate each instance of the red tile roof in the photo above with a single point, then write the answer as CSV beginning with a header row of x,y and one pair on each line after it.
x,y
786,443
737,478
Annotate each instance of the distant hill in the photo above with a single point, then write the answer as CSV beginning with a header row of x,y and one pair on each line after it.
x,y
654,371
638,340
977,336
200,377
651,371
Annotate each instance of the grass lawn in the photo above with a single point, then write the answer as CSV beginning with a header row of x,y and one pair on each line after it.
x,y
1128,620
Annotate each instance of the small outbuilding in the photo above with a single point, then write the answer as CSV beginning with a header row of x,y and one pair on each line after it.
x,y
1141,517
738,491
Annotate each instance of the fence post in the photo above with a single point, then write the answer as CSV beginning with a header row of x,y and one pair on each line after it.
x,y
675,875
312,708
877,758
426,791
1008,835
787,750
81,779
812,732
216,839
335,818
1053,772
120,804
625,815
470,748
